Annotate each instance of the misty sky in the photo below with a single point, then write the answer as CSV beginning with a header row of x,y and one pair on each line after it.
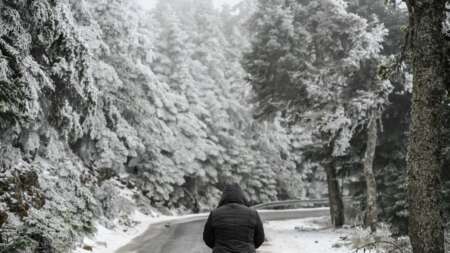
x,y
148,4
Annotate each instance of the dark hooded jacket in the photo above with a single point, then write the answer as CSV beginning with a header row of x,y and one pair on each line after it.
x,y
233,227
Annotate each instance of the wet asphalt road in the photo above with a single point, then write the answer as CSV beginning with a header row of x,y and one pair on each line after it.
x,y
185,236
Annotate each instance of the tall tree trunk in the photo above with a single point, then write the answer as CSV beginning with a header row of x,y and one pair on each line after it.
x,y
424,161
191,190
334,195
369,175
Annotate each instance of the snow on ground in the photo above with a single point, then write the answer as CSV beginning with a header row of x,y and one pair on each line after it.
x,y
295,209
109,240
311,235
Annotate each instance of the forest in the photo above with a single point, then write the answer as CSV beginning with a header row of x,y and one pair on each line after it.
x,y
107,108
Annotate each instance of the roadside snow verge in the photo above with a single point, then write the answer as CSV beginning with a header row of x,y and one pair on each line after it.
x,y
311,235
290,210
109,240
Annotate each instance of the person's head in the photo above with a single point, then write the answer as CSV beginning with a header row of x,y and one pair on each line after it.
x,y
233,193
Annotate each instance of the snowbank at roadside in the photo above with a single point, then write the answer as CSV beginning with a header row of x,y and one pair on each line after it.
x,y
108,240
295,209
311,235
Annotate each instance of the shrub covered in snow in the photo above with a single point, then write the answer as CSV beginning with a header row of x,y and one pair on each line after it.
x,y
382,241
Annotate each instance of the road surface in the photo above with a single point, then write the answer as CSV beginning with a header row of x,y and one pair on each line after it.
x,y
186,235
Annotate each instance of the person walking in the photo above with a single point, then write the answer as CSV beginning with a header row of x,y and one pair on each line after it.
x,y
233,227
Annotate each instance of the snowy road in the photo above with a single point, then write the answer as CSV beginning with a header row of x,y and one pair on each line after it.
x,y
186,235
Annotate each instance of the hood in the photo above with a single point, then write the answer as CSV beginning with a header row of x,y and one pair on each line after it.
x,y
233,194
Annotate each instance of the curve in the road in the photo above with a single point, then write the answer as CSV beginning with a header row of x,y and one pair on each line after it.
x,y
184,236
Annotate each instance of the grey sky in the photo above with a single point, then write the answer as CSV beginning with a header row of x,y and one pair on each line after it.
x,y
148,4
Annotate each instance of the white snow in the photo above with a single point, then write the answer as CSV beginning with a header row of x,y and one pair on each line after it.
x,y
291,210
312,235
109,240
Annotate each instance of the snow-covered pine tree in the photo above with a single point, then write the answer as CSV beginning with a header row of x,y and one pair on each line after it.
x,y
396,106
45,194
300,61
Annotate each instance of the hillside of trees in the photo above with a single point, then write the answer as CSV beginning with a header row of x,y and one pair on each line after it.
x,y
107,108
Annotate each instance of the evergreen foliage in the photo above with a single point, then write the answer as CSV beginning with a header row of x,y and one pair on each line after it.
x,y
128,109
106,108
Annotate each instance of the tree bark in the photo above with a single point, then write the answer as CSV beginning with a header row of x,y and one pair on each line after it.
x,y
369,175
191,190
334,195
424,155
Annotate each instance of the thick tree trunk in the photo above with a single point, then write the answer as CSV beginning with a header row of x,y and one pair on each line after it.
x,y
424,161
334,195
369,175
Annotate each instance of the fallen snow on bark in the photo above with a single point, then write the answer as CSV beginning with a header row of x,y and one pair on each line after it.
x,y
108,240
311,235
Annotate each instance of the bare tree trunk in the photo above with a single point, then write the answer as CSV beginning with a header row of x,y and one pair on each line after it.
x,y
334,195
369,175
424,156
191,190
